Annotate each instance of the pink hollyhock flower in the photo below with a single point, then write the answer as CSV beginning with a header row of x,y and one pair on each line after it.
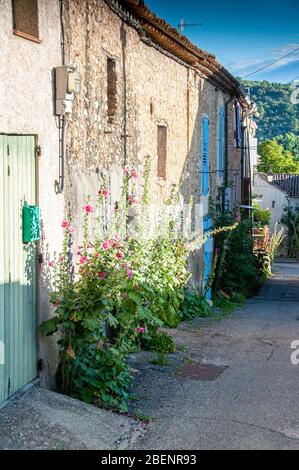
x,y
79,253
116,237
104,193
51,264
83,259
60,259
88,208
129,273
126,171
134,174
65,223
97,255
132,200
140,329
71,229
105,245
102,275
118,255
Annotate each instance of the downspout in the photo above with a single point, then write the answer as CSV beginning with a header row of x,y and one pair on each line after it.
x,y
123,37
226,150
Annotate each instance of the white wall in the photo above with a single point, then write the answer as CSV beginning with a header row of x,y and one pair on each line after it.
x,y
26,107
265,194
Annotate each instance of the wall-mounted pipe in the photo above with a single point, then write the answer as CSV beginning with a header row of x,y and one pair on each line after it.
x,y
226,148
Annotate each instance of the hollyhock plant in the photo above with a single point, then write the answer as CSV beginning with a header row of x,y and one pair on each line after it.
x,y
122,288
51,264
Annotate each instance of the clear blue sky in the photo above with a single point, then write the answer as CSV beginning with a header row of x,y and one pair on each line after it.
x,y
244,36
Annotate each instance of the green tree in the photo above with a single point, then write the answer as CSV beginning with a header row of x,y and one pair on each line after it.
x,y
277,115
289,141
273,158
261,217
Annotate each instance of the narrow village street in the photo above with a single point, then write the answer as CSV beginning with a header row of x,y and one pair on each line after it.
x,y
253,403
249,402
149,229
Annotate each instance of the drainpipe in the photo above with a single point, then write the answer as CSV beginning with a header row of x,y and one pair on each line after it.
x,y
226,150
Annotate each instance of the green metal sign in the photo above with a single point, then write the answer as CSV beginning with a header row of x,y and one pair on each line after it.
x,y
31,223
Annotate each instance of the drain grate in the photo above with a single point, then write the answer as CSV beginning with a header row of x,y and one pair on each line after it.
x,y
197,371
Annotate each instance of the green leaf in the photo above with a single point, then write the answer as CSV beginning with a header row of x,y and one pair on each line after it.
x,y
91,323
135,297
49,327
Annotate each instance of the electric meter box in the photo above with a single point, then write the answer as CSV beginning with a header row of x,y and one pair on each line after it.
x,y
67,84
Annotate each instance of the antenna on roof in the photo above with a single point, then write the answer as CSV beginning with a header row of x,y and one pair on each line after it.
x,y
183,25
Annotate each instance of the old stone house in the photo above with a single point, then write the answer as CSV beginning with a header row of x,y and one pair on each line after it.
x,y
145,90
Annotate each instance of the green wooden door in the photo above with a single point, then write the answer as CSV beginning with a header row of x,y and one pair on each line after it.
x,y
17,265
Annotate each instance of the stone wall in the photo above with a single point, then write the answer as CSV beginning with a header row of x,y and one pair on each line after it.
x,y
152,89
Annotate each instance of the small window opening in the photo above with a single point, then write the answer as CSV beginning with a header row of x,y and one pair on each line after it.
x,y
151,108
25,19
161,151
111,89
273,204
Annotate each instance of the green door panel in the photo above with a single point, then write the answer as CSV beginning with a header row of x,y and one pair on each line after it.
x,y
18,264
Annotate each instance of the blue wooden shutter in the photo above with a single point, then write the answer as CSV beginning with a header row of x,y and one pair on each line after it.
x,y
205,155
221,113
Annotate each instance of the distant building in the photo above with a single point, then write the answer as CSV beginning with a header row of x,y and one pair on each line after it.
x,y
276,192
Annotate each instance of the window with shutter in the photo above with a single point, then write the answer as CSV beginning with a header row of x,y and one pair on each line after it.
x,y
205,155
237,125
